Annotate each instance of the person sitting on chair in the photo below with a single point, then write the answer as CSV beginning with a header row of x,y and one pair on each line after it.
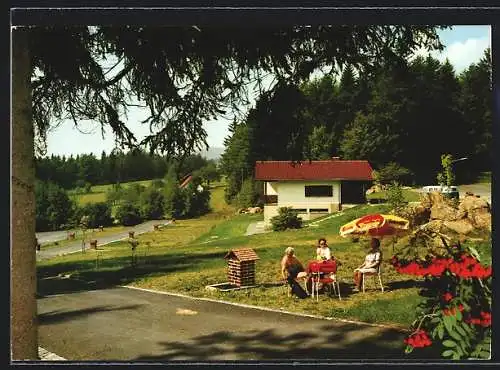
x,y
323,252
292,268
372,261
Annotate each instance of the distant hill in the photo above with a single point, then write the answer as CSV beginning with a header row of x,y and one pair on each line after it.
x,y
212,153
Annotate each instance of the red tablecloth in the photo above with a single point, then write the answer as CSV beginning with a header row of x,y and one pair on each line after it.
x,y
328,262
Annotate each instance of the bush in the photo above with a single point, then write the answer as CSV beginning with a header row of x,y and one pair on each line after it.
x,y
232,189
132,193
152,204
99,214
53,206
395,198
80,183
128,214
88,188
392,172
286,219
173,201
157,184
114,194
455,318
247,197
196,199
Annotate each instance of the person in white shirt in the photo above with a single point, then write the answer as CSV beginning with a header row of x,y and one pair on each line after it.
x,y
372,261
323,251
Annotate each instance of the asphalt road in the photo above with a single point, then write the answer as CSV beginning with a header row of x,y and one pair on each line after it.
x,y
76,246
51,236
481,189
132,325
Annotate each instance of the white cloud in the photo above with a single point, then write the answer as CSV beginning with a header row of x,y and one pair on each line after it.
x,y
461,54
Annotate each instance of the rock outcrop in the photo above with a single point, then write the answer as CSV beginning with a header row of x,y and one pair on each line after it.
x,y
251,210
469,215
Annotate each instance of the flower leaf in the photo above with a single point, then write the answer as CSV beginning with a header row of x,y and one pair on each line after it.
x,y
448,353
474,253
460,330
448,323
440,331
449,343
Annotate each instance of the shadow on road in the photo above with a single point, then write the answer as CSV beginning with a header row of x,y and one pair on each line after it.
x,y
61,316
345,343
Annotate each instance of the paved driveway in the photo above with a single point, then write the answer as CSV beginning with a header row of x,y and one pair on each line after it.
x,y
135,325
51,236
483,190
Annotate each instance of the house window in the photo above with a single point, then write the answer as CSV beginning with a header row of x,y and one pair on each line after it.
x,y
300,210
318,210
318,190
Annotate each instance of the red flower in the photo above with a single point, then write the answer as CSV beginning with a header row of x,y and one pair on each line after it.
x,y
484,321
449,312
487,271
447,296
418,339
461,307
485,315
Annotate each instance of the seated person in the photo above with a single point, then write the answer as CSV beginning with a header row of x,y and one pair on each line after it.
x,y
323,251
372,261
291,267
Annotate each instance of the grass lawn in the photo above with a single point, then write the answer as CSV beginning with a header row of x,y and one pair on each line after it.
x,y
98,192
83,199
188,256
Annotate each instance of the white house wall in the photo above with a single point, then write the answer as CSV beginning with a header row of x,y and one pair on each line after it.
x,y
292,194
271,188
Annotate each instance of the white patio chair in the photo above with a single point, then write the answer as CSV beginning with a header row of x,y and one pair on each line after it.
x,y
377,274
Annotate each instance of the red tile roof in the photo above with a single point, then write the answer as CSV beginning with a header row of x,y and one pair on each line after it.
x,y
334,169
243,254
185,181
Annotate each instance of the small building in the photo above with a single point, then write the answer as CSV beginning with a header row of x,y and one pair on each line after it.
x,y
241,266
313,188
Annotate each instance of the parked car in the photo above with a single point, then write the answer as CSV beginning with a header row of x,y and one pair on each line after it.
x,y
447,191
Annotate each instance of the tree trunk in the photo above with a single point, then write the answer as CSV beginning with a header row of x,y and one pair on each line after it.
x,y
23,315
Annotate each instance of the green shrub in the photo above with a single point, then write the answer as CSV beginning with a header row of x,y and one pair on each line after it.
x,y
392,172
99,214
395,198
247,197
152,203
157,184
286,219
88,188
128,214
53,206
196,199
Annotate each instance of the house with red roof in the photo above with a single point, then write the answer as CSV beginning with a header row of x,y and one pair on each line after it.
x,y
313,188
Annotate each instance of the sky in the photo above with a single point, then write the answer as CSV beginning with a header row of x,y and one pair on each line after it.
x,y
464,45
